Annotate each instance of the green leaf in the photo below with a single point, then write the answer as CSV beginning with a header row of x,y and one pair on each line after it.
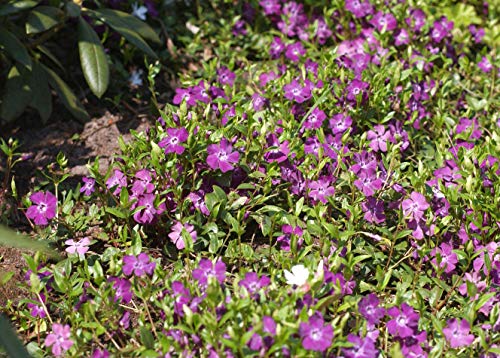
x,y
125,31
43,18
67,96
42,99
14,47
15,6
147,338
93,59
17,94
10,239
9,340
125,20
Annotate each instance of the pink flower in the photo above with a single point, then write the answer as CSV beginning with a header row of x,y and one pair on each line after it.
x,y
44,208
59,339
415,206
176,234
80,246
457,333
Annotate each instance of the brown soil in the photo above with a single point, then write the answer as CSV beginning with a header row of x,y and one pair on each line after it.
x,y
81,144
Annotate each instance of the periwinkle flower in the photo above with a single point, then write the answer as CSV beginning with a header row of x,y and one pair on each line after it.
x,y
369,308
359,8
315,119
321,190
221,156
295,51
176,234
362,347
207,268
448,259
295,92
368,182
356,88
36,309
253,283
225,76
315,334
88,187
172,142
43,209
277,47
59,339
79,247
374,210
118,180
271,7
148,212
415,206
378,138
457,333
384,21
138,265
404,321
485,65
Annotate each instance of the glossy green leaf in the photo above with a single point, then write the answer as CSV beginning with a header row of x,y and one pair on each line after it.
x,y
42,98
17,94
123,19
67,96
14,48
127,32
92,58
15,6
9,340
43,18
9,238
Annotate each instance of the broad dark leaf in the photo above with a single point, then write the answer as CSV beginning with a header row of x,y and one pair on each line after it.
x,y
93,59
67,96
17,93
9,340
14,48
15,6
42,99
43,18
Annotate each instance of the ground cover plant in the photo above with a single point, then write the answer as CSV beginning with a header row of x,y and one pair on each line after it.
x,y
325,184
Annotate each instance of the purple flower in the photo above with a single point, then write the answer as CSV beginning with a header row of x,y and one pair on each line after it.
x,y
277,47
255,343
295,51
171,143
448,259
43,209
269,326
364,161
441,29
118,180
362,348
368,182
369,308
59,339
384,21
207,268
221,156
415,206
89,186
199,202
405,321
402,37
339,123
36,309
143,183
122,288
225,76
316,336
253,283
378,138
80,246
485,65
176,234
315,119
258,102
457,333
147,213
374,210
271,7
416,19
295,92
356,88
359,8
139,265
184,94
100,353
320,190
277,152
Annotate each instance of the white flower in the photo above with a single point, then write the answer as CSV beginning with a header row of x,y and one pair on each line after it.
x,y
298,276
135,78
139,11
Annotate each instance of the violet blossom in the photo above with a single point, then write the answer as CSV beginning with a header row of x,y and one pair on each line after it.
x,y
172,142
315,334
457,333
59,339
221,156
176,234
43,209
138,265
